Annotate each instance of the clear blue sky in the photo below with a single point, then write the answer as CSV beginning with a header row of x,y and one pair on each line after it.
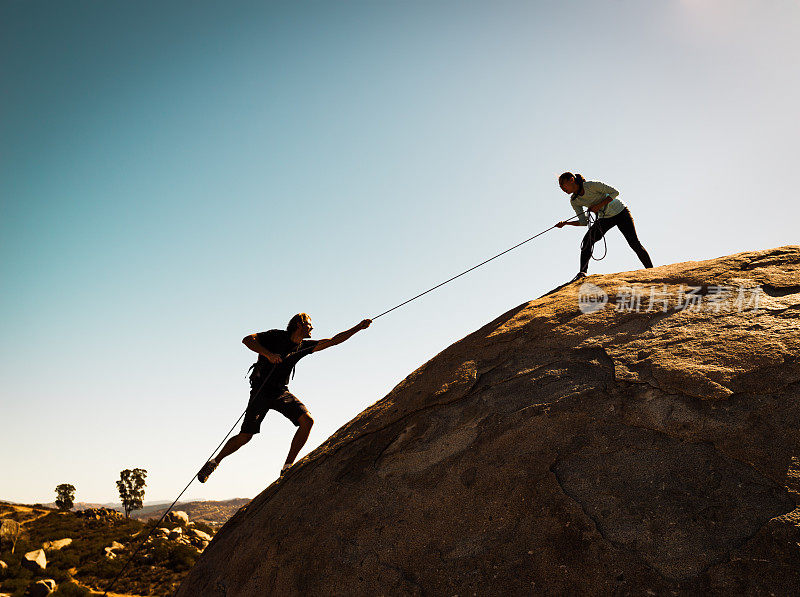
x,y
176,175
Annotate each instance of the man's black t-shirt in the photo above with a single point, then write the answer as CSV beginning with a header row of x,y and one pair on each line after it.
x,y
279,342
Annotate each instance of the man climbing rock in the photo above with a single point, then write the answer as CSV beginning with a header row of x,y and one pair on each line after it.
x,y
278,353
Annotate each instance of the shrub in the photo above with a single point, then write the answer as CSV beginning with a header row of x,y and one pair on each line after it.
x,y
72,589
65,558
160,550
102,568
16,586
201,526
182,557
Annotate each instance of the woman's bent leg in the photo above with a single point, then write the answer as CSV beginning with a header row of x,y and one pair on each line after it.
x,y
594,234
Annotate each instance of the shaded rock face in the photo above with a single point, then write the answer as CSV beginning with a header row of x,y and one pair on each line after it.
x,y
680,506
42,588
557,451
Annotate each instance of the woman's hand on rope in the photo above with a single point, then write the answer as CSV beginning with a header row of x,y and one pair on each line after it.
x,y
364,324
561,224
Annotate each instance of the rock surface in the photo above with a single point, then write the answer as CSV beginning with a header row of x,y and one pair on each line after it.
x,y
35,560
178,516
562,451
200,534
110,552
57,544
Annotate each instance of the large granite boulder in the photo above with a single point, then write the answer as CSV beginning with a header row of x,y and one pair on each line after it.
x,y
635,434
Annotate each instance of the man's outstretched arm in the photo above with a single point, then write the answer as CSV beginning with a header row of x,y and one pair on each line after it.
x,y
342,336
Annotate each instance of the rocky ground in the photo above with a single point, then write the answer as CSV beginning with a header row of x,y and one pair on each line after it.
x,y
637,434
79,553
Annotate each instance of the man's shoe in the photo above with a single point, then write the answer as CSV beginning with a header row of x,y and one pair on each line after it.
x,y
285,468
580,276
207,469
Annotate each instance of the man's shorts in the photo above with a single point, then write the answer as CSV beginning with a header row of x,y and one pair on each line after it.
x,y
279,399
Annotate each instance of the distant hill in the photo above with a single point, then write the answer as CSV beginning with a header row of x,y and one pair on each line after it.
x,y
214,514
85,505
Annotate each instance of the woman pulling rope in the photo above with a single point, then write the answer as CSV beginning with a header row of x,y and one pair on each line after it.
x,y
603,200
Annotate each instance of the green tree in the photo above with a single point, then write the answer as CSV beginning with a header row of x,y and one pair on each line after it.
x,y
65,496
131,489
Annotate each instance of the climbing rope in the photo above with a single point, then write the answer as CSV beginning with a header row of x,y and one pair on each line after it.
x,y
474,267
172,505
592,218
163,516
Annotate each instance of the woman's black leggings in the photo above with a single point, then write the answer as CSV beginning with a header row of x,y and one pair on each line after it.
x,y
597,230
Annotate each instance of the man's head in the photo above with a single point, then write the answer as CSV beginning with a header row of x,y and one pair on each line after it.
x,y
300,326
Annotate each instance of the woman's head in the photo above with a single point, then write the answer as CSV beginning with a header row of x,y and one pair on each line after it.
x,y
570,183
